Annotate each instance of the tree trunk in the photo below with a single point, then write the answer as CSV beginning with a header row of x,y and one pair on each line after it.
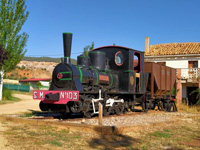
x,y
1,83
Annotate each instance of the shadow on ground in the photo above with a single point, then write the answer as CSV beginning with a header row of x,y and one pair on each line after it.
x,y
115,140
55,115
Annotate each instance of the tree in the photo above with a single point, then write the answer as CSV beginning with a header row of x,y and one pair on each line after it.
x,y
88,48
13,15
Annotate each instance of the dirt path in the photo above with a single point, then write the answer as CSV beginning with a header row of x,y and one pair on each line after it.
x,y
27,104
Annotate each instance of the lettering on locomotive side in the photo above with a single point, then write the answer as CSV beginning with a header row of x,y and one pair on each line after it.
x,y
103,77
63,95
38,96
69,95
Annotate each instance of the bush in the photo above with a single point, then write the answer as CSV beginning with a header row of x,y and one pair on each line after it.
x,y
7,94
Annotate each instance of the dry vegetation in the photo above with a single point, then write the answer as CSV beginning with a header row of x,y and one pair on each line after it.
x,y
183,134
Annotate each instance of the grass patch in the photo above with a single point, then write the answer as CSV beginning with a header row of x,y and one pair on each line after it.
x,y
55,143
160,134
7,97
28,115
21,92
172,136
77,137
188,109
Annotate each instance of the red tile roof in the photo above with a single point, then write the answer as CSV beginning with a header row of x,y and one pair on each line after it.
x,y
174,49
35,80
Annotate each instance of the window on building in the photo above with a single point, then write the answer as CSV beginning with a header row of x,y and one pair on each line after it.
x,y
192,64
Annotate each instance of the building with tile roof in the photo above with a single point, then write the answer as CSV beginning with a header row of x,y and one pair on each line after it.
x,y
185,57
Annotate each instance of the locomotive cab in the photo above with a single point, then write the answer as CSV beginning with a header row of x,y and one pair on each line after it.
x,y
127,64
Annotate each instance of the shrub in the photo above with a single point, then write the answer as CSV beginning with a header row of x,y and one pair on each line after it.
x,y
7,94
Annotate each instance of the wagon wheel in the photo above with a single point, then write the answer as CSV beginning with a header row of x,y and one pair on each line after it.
x,y
167,105
144,107
160,106
173,107
107,110
119,108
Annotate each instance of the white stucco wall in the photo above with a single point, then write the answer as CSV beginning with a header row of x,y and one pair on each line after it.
x,y
44,83
198,63
177,64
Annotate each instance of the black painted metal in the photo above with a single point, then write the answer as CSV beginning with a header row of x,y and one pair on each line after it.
x,y
103,69
97,59
67,42
83,61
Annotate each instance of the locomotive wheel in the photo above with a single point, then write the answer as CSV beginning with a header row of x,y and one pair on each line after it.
x,y
107,110
75,107
43,106
119,108
126,107
88,113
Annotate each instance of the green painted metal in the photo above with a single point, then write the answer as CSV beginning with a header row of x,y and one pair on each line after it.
x,y
66,72
97,52
111,76
81,74
67,33
97,76
66,79
24,88
129,71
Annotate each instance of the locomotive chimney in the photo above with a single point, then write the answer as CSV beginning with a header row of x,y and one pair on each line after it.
x,y
146,45
67,42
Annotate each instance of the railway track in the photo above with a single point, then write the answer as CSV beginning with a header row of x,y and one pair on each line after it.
x,y
79,117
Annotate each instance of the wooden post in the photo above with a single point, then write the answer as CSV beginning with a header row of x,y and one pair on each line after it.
x,y
100,114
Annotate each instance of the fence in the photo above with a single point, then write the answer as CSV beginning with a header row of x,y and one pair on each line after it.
x,y
24,88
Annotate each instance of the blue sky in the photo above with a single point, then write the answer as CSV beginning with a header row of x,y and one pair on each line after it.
x,y
104,22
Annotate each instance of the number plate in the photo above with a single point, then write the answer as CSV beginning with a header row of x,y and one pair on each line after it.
x,y
64,96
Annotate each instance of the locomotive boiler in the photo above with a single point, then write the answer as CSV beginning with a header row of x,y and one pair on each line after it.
x,y
111,75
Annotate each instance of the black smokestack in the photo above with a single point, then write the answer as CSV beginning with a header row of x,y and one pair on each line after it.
x,y
67,43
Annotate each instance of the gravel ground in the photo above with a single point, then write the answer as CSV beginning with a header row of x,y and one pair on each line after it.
x,y
138,119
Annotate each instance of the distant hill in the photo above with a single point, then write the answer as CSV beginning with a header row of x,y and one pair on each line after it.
x,y
46,59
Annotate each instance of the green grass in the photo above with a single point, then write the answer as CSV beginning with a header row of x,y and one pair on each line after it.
x,y
7,97
11,100
28,115
55,143
160,134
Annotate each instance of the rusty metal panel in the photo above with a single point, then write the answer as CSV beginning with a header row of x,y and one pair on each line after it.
x,y
173,77
162,75
162,78
168,78
157,74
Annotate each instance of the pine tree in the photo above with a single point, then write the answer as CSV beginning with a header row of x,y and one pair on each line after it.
x,y
13,15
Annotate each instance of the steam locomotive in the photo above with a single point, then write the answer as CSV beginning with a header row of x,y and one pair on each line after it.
x,y
111,75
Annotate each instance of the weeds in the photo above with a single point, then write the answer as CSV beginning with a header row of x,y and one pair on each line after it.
x,y
7,97
189,109
28,115
160,134
55,143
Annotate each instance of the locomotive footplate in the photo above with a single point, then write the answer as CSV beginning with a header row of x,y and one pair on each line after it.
x,y
56,97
